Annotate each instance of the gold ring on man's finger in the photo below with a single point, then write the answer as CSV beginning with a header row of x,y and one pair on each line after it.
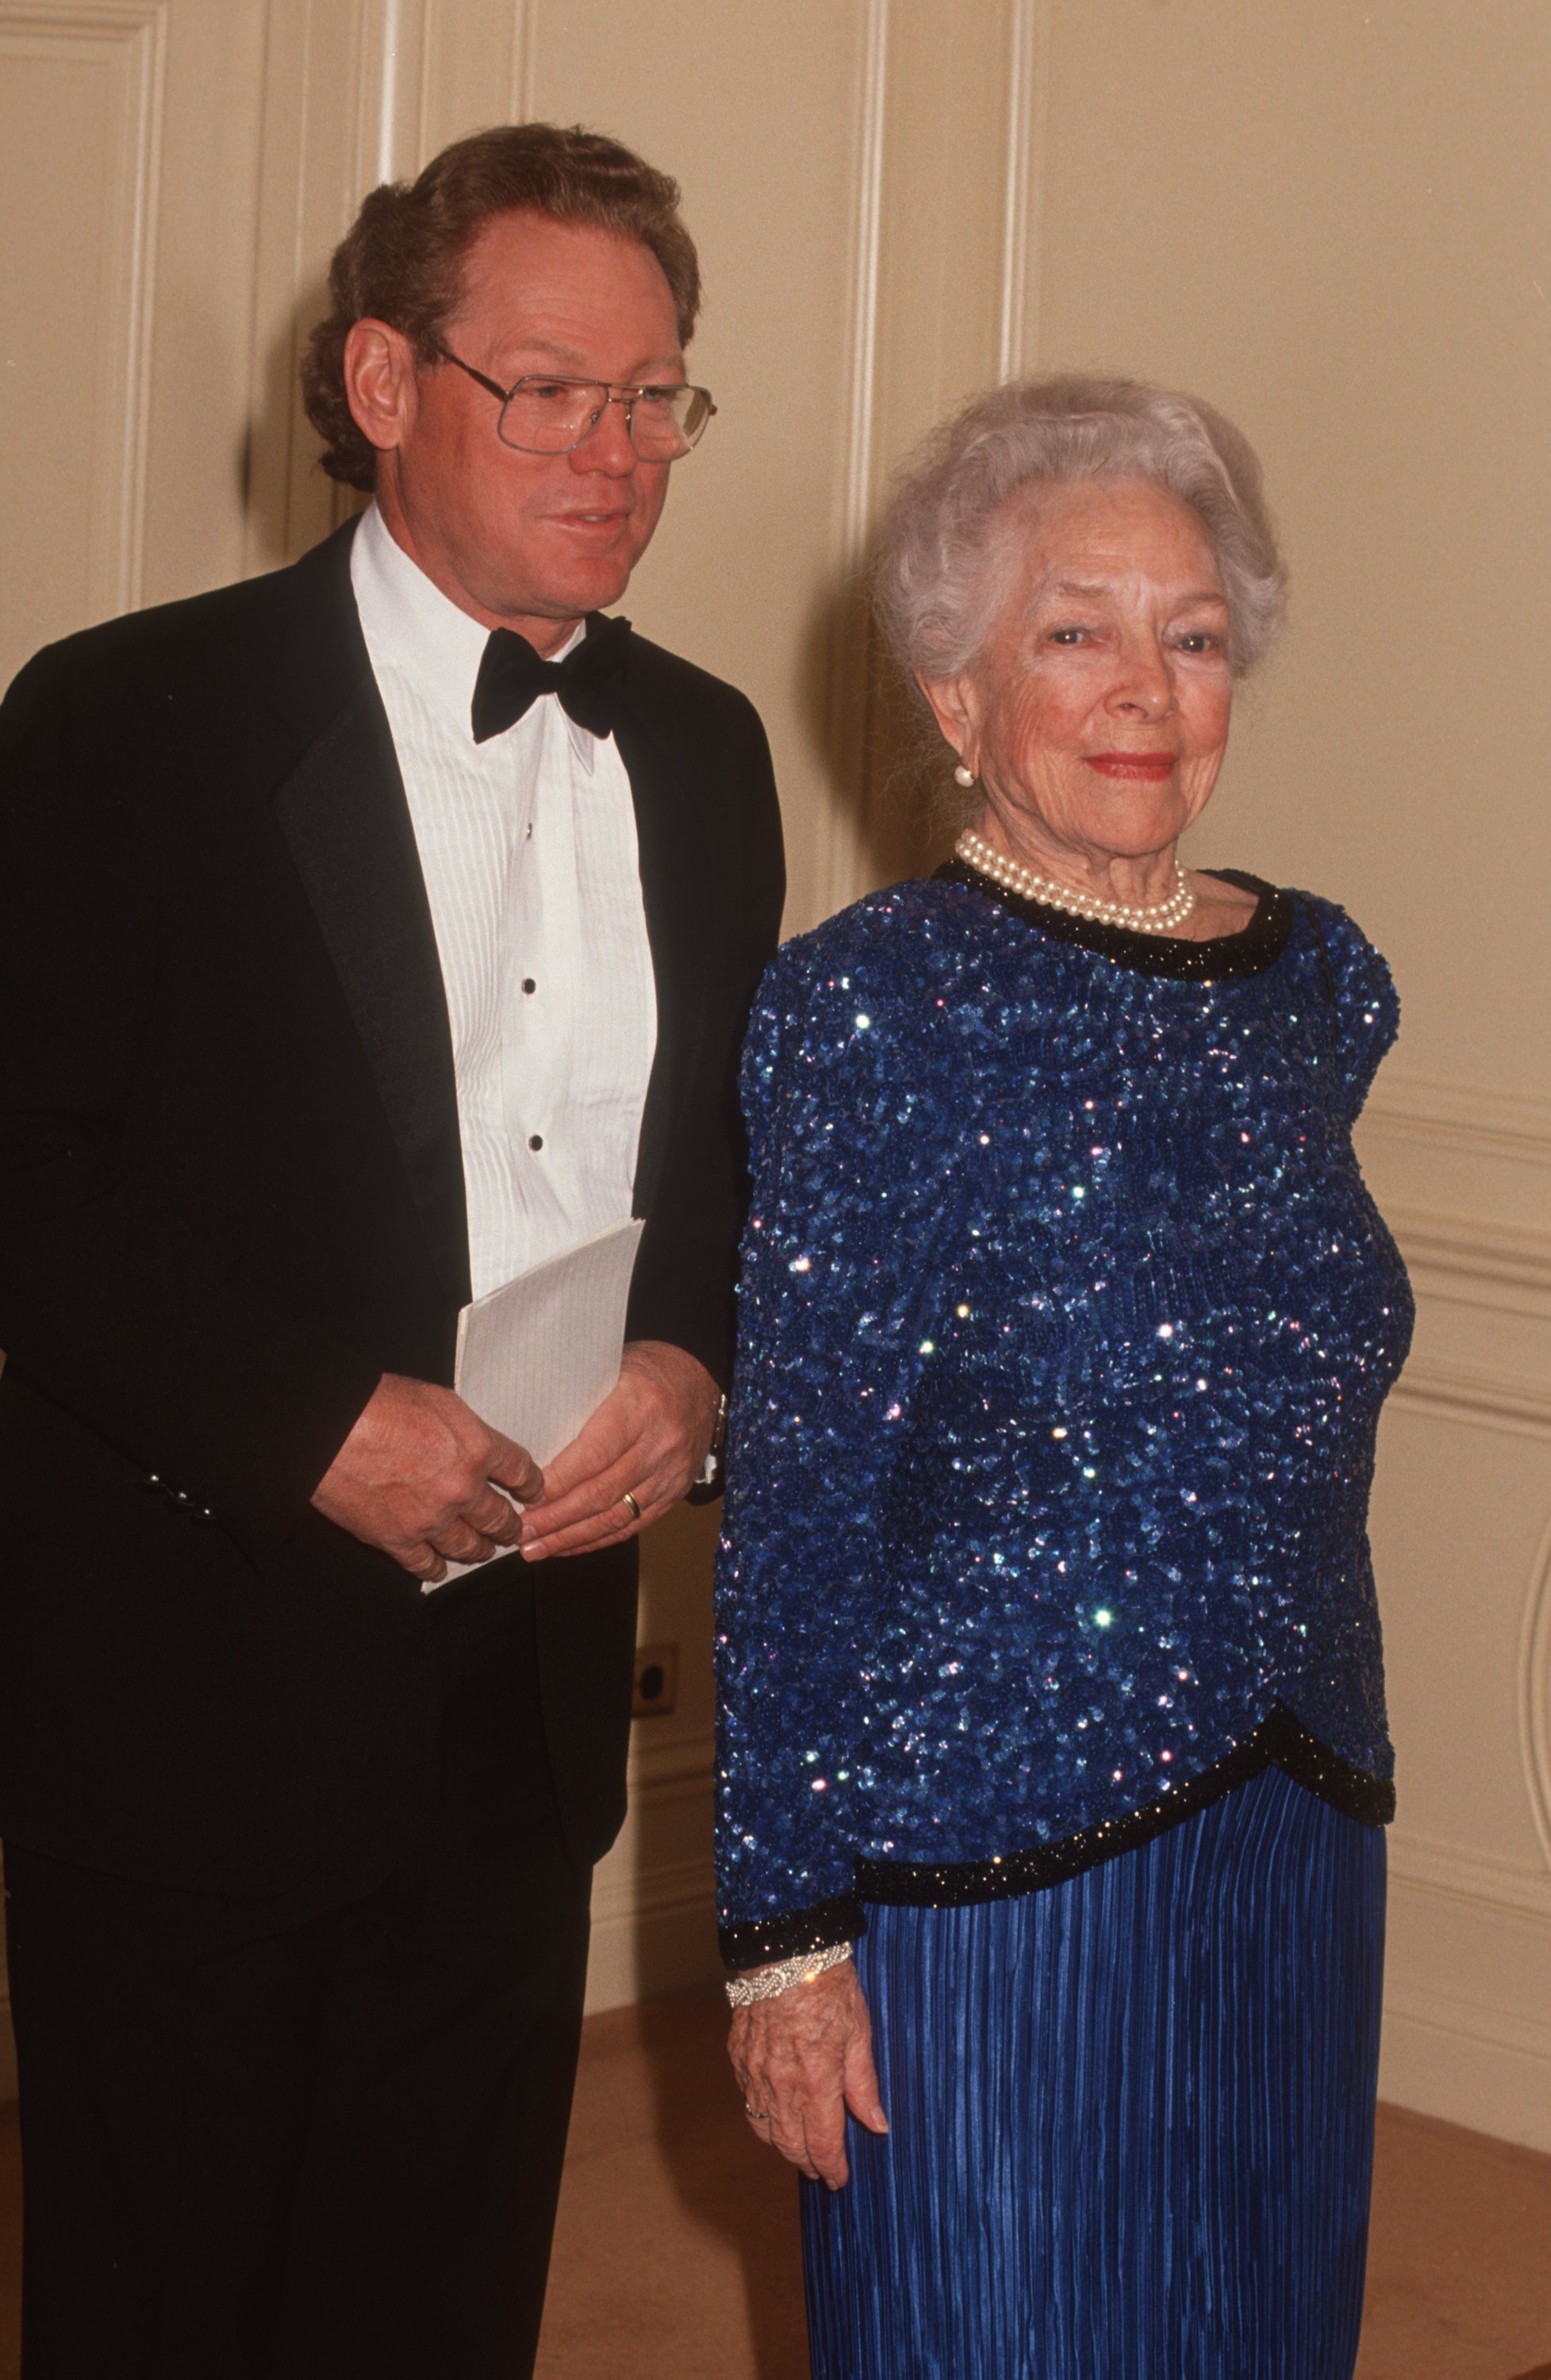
x,y
629,1500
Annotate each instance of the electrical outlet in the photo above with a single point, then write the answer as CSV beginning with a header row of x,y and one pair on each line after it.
x,y
657,1680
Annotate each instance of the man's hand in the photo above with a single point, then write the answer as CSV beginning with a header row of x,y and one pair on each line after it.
x,y
803,2060
420,1477
648,1439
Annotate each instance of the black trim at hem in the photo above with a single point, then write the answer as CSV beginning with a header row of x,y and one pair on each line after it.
x,y
1280,1741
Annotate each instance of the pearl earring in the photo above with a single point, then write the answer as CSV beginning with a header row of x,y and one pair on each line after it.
x,y
963,776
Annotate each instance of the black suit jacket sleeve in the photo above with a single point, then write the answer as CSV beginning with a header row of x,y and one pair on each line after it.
x,y
112,1302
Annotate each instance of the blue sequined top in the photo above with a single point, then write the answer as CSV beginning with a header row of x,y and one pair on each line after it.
x,y
1065,1323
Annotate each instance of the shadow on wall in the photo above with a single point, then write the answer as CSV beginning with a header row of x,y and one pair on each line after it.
x,y
880,751
653,1919
290,502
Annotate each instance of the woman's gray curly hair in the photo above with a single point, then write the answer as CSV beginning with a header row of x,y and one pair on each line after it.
x,y
944,556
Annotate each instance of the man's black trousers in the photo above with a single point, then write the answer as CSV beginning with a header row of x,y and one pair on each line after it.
x,y
331,2145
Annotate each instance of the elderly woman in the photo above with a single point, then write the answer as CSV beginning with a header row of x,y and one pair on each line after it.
x,y
1052,1733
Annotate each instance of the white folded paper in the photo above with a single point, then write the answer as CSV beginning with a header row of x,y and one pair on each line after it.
x,y
537,1358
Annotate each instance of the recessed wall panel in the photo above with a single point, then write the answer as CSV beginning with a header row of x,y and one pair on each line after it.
x,y
72,87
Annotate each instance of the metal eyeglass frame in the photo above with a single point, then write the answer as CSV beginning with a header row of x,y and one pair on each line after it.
x,y
613,394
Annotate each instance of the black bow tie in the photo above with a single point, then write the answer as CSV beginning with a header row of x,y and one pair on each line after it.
x,y
512,676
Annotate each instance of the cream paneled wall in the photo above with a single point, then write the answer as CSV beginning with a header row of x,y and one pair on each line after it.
x,y
1336,221
129,143
1331,220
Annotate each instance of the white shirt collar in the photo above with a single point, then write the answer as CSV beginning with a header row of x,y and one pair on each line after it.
x,y
410,627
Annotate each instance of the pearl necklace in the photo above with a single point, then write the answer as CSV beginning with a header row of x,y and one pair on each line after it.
x,y
1161,918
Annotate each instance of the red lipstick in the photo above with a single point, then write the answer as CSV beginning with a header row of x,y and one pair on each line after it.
x,y
1139,768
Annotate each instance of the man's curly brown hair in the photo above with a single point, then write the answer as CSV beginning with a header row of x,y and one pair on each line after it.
x,y
401,261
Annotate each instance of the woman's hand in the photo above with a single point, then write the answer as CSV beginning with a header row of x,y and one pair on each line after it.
x,y
802,2059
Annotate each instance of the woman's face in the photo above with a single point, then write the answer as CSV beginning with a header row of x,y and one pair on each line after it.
x,y
1096,715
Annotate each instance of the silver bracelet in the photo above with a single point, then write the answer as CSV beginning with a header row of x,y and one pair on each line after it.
x,y
770,1981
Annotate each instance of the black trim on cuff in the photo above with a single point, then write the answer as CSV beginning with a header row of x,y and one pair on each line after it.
x,y
758,1940
1280,1741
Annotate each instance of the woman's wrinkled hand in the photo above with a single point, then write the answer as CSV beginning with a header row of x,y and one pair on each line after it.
x,y
802,2060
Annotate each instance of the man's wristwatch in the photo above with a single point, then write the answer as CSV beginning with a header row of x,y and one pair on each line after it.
x,y
709,1476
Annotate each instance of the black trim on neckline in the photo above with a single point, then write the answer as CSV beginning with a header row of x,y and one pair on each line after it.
x,y
1249,951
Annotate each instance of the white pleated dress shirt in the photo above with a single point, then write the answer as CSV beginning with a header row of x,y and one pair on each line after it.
x,y
528,845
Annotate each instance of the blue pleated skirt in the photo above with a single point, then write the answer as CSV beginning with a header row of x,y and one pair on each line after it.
x,y
1132,2118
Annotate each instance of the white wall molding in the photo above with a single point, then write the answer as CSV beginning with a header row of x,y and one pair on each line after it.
x,y
872,100
392,87
1028,83
1485,1399
1468,2000
1534,1695
1486,1881
336,86
133,33
671,1888
659,1762
1522,2032
1467,2011
658,1937
1438,1112
654,1913
521,103
1438,2058
356,93
1448,2054
1455,1169
433,71
1474,1260
840,869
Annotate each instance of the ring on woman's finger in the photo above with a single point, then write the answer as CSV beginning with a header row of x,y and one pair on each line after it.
x,y
756,2115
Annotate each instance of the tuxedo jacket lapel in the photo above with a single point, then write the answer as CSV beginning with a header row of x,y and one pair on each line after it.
x,y
343,812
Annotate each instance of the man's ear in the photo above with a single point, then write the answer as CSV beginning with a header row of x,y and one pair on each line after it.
x,y
956,709
381,383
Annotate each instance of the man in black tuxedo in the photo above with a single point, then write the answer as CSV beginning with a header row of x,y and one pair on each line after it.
x,y
298,1852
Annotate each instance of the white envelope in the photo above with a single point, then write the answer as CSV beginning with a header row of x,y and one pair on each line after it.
x,y
537,1358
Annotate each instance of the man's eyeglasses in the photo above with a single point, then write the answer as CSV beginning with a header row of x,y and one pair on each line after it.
x,y
544,413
